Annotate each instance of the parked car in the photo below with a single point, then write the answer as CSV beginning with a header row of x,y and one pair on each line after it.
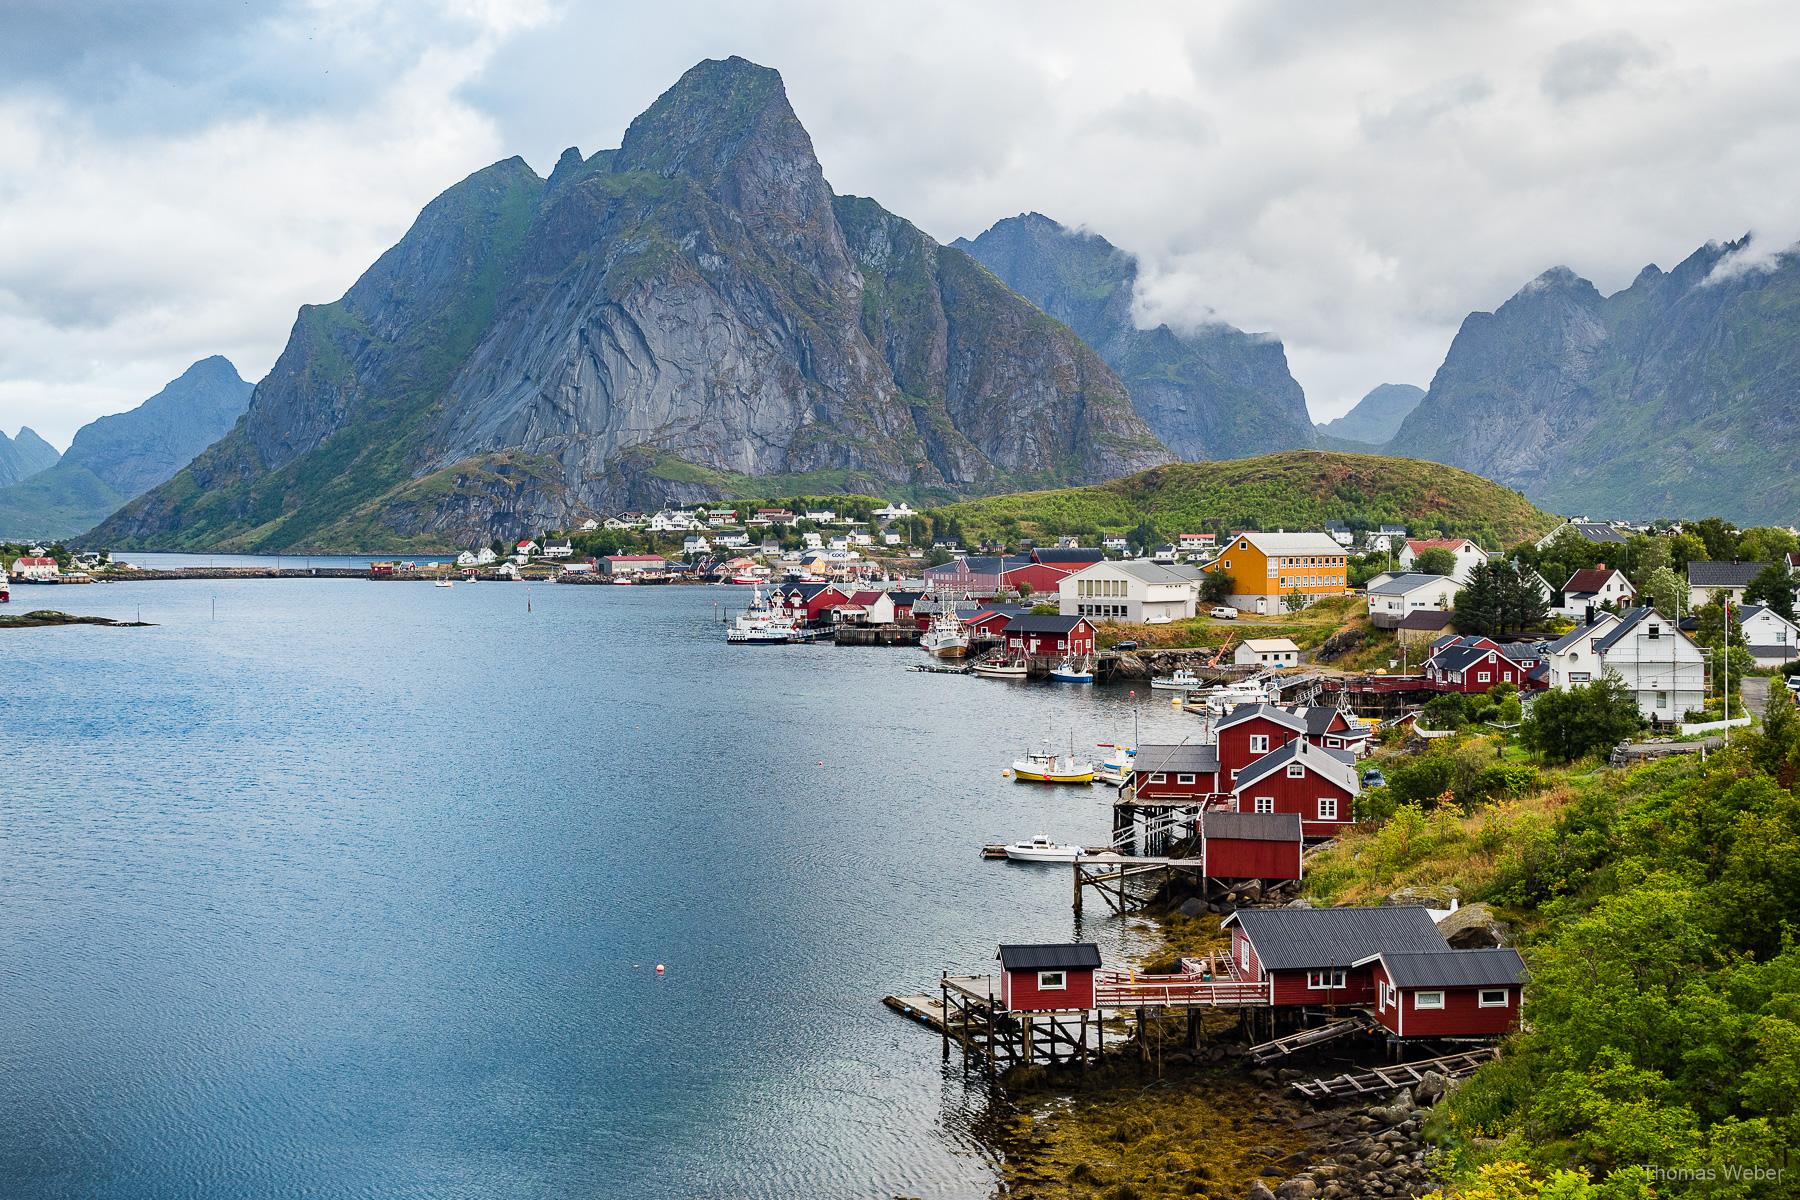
x,y
1373,778
1224,612
1127,644
1793,683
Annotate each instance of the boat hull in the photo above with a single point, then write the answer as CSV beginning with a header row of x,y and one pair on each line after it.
x,y
988,672
1030,855
1027,774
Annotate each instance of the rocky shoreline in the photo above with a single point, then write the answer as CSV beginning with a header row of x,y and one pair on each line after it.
x,y
43,618
1374,1152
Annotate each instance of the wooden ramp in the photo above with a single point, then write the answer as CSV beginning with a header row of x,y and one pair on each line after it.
x,y
1392,1079
1281,1047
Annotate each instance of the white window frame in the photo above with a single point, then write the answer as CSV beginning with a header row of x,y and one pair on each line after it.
x,y
1505,1000
1159,777
1481,677
1259,743
1333,979
1184,779
1044,981
1388,999
1420,1001
1328,808
1263,804
1244,954
1296,771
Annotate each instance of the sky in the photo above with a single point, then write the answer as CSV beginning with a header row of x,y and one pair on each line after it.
x,y
177,179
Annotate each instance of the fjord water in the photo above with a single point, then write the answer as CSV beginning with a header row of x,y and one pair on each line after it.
x,y
356,890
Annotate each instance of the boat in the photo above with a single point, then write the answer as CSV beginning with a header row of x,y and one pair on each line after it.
x,y
1068,671
443,583
1181,680
1227,696
763,623
1041,849
945,637
1116,766
1000,670
1046,766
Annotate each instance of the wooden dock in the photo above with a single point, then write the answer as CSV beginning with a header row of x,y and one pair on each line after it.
x,y
1392,1079
1281,1047
927,1010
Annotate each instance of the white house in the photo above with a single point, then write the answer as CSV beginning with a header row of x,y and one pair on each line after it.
x,y
1588,531
1593,587
1468,555
34,566
1115,543
1266,652
467,558
695,544
1773,640
894,512
524,550
1731,578
588,525
821,516
1136,590
1663,670
485,556
890,539
560,549
1391,597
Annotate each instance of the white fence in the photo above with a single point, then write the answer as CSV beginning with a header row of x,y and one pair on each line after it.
x,y
1687,728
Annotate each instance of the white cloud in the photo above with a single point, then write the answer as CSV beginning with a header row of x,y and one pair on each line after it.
x,y
1354,178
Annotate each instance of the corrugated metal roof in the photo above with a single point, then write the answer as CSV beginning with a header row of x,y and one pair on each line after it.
x,y
1497,967
1287,939
1251,827
1723,574
1202,758
1053,956
1331,765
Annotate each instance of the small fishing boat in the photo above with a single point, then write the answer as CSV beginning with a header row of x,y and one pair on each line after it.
x,y
1068,671
1041,849
1116,766
443,583
1047,766
1181,680
1000,670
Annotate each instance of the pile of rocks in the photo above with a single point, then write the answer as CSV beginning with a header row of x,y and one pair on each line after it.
x,y
1375,1151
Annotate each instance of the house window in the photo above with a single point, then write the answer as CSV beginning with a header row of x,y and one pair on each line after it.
x,y
1159,777
1184,779
1662,699
1244,955
1050,981
1296,771
1265,804
1481,677
1428,999
1493,997
1655,633
1259,743
1327,808
1320,980
1387,996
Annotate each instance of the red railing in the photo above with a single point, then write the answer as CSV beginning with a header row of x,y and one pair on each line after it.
x,y
1113,989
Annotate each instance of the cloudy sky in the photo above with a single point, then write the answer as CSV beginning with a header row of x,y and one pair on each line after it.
x,y
176,178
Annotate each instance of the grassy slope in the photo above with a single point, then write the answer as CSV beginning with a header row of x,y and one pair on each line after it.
x,y
1295,489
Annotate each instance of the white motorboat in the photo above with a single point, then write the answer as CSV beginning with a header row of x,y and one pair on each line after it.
x,y
1116,766
945,637
1180,680
1227,696
444,583
1000,670
1041,849
763,624
1069,671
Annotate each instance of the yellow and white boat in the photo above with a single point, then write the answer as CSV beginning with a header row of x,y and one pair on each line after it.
x,y
1042,766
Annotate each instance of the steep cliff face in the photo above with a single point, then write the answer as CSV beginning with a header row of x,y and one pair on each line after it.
x,y
117,457
1216,392
1678,396
690,298
24,455
1376,417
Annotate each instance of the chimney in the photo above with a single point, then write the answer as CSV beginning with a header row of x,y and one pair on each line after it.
x,y
1601,567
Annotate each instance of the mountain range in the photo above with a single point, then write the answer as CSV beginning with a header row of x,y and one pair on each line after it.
x,y
24,455
1678,396
1211,392
697,301
118,457
1375,418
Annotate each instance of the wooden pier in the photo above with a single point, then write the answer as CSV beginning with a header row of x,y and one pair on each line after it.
x,y
1393,1078
1306,1039
1110,874
970,1014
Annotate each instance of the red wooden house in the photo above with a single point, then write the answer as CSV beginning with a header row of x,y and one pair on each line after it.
x,y
1050,636
1236,845
1301,778
1310,956
811,601
1472,664
1176,773
1041,578
903,605
1055,977
1250,731
991,622
1447,993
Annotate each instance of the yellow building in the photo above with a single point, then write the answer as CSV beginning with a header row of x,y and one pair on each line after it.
x,y
1266,567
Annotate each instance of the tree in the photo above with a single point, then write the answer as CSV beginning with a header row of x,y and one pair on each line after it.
x,y
1564,726
1720,536
1025,591
1685,548
1665,590
1294,601
1766,542
1215,588
1435,561
1501,600
1773,586
1647,554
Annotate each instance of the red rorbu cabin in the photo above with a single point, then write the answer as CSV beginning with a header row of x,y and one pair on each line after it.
x,y
1325,956
1175,774
1320,785
1050,636
1447,993
1056,977
1237,845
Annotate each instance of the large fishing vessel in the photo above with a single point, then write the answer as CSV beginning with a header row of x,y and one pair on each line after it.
x,y
763,623
945,637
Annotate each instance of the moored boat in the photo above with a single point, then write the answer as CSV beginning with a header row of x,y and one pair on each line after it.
x,y
1000,670
1069,671
1179,680
1041,849
1115,767
945,637
1046,766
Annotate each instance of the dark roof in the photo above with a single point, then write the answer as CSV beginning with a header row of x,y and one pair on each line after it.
x,y
807,590
1051,956
1303,938
1251,827
1462,657
1430,619
1400,585
1499,966
980,564
1068,554
906,599
1576,634
1202,758
1723,574
1008,611
1244,712
1319,719
1044,624
1593,531
1589,580
1336,765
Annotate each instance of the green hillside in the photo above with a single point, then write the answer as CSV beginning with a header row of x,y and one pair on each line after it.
x,y
1296,489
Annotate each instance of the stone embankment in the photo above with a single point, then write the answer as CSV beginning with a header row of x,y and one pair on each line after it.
x,y
1375,1152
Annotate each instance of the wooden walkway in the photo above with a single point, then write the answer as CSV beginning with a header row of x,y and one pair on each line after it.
x,y
1281,1047
1114,989
1391,1079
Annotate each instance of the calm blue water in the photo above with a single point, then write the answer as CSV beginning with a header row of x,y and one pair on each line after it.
x,y
164,560
355,892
